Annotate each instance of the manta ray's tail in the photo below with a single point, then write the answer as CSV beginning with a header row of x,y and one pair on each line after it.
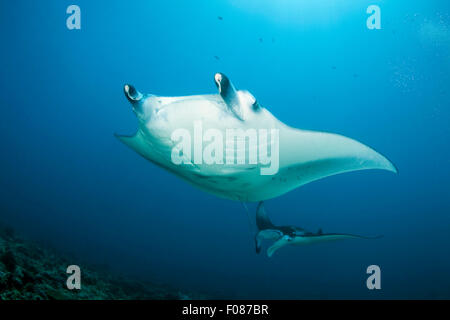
x,y
262,220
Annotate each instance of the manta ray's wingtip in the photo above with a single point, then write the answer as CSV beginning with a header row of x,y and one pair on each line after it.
x,y
389,165
395,168
384,163
126,139
118,136
121,136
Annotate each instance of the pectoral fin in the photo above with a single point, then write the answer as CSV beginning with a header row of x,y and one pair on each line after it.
x,y
328,237
262,220
283,241
306,156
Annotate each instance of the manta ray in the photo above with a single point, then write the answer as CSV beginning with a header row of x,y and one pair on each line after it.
x,y
302,156
291,235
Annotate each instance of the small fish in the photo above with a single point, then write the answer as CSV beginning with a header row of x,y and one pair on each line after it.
x,y
261,40
333,67
220,18
217,57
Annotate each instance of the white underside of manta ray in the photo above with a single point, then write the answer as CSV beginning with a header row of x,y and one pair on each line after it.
x,y
291,235
304,156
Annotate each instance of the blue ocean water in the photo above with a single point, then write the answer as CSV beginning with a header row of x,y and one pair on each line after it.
x,y
65,179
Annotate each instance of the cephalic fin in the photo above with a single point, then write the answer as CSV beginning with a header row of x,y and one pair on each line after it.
x,y
229,94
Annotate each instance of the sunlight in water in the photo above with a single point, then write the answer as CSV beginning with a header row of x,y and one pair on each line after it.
x,y
300,11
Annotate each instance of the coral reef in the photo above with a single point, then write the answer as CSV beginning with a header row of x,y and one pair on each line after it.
x,y
31,272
